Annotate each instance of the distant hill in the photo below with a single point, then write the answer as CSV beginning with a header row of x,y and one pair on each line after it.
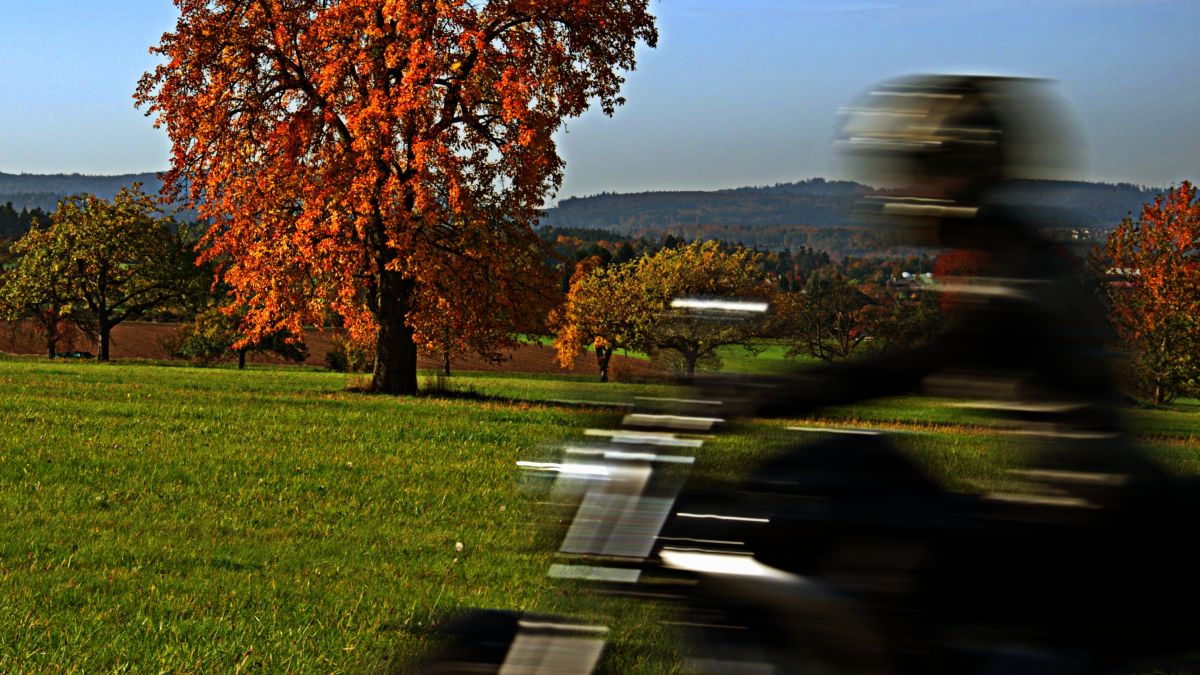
x,y
813,212
30,191
1080,204
762,216
816,202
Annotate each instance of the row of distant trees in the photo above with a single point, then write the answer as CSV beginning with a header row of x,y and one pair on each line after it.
x,y
1146,274
828,315
95,263
98,263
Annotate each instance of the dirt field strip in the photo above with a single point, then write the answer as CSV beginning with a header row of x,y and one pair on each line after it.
x,y
144,340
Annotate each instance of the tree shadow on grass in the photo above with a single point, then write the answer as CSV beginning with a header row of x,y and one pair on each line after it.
x,y
441,389
431,387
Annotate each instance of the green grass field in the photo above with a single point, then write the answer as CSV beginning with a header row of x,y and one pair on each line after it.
x,y
183,519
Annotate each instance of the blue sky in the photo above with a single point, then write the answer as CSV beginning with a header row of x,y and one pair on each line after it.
x,y
739,92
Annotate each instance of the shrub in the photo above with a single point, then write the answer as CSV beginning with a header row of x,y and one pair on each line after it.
x,y
204,341
211,335
348,356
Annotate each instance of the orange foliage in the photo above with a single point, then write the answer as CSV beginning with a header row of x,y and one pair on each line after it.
x,y
1155,294
381,160
602,310
957,266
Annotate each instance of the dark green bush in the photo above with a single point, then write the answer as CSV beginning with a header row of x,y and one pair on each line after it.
x,y
347,356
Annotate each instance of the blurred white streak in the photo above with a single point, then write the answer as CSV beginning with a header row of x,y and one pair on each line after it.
x,y
834,430
672,421
594,573
574,469
719,305
646,437
721,563
714,516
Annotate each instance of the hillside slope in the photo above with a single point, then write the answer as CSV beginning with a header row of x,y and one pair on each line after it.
x,y
29,191
818,203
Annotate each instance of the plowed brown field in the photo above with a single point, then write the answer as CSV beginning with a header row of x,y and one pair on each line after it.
x,y
143,340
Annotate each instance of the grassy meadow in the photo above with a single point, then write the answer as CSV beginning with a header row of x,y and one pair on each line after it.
x,y
183,519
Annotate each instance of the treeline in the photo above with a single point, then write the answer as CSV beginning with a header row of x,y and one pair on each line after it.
x,y
815,203
94,263
815,213
819,213
14,222
789,266
42,191
837,241
1144,271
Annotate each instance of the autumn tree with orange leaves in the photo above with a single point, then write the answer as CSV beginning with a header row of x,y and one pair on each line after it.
x,y
1154,291
381,160
604,310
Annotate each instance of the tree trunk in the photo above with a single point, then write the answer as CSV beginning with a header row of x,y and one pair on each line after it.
x,y
1160,387
241,359
446,362
395,351
102,331
51,324
100,306
603,356
689,374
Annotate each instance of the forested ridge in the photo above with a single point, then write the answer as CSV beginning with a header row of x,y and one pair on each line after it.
x,y
810,213
42,191
788,214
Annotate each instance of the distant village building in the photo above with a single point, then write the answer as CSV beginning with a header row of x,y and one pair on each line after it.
x,y
1121,276
914,284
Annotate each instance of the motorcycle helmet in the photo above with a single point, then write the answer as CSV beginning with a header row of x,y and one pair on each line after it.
x,y
940,146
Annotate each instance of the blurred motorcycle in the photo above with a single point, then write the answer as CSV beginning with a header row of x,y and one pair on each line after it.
x,y
842,555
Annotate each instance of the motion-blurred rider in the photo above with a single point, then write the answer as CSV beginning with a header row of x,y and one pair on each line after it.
x,y
1075,558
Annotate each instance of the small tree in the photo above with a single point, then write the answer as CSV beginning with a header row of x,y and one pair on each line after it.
x,y
481,312
38,287
603,311
116,258
1154,295
448,336
213,335
700,271
903,319
349,355
829,319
